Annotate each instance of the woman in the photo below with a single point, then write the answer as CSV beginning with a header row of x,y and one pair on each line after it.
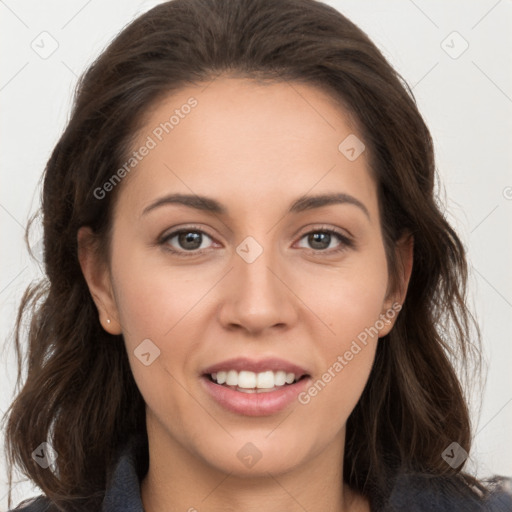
x,y
252,298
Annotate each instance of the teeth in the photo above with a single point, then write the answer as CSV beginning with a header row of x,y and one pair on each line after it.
x,y
232,378
246,380
251,380
280,378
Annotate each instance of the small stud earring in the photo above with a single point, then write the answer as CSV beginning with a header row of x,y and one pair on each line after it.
x,y
108,320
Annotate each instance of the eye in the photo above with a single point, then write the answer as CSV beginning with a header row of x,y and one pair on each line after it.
x,y
320,240
193,241
186,240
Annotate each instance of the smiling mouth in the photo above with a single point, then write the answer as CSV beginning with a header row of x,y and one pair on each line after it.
x,y
251,382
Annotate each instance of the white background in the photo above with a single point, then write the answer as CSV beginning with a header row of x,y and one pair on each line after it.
x,y
466,101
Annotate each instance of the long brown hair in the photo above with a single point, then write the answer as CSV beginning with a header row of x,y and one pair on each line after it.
x,y
79,393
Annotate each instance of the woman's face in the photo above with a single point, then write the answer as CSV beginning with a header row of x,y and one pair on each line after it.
x,y
262,287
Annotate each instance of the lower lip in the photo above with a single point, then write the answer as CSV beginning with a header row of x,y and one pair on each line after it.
x,y
255,404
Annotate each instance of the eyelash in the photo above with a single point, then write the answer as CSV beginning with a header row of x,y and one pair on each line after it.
x,y
345,242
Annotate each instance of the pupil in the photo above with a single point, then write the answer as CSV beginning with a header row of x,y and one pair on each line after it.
x,y
320,240
190,237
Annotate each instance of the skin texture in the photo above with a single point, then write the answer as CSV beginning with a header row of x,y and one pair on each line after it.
x,y
255,148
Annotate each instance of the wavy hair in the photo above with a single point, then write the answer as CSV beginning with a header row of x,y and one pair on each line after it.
x,y
79,393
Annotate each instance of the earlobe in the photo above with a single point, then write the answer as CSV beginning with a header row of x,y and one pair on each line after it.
x,y
107,319
97,275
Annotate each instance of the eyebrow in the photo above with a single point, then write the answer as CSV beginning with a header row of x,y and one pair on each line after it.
x,y
303,203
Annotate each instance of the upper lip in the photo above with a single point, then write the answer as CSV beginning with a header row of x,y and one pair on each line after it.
x,y
257,366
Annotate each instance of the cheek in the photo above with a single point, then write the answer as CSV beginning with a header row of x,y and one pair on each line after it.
x,y
349,301
154,303
160,303
152,297
350,297
345,361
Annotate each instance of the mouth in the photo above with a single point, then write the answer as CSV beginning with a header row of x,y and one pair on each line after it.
x,y
255,388
252,382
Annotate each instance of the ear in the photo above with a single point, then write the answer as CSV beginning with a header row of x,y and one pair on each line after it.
x,y
97,276
395,297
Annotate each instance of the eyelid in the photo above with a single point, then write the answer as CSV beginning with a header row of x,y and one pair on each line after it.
x,y
326,227
176,230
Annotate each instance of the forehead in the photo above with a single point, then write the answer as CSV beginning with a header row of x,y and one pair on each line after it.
x,y
238,138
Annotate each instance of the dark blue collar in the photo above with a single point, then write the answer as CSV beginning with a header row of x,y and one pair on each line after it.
x,y
123,489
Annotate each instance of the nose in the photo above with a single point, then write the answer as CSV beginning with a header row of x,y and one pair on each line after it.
x,y
258,295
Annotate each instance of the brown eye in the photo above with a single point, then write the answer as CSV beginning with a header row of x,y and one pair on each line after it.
x,y
185,240
326,240
319,240
189,240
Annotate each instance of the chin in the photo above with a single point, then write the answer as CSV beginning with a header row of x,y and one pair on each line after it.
x,y
254,456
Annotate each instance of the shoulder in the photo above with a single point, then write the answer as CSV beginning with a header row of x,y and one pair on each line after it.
x,y
420,492
122,490
37,504
500,497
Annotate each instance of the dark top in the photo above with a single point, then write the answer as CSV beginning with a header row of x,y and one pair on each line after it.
x,y
410,493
